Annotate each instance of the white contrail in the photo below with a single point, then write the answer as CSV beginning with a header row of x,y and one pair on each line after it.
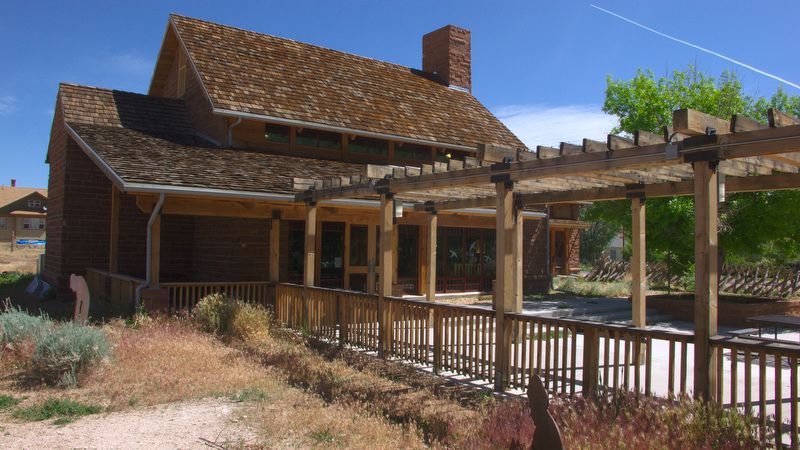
x,y
746,66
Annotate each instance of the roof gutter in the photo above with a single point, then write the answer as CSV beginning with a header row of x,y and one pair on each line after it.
x,y
301,123
230,130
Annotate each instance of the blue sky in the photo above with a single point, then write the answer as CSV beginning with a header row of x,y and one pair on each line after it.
x,y
541,66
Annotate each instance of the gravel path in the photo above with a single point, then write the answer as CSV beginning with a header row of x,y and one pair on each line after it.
x,y
200,424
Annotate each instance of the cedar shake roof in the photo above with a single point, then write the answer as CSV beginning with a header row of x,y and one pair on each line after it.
x,y
112,108
249,72
152,159
147,139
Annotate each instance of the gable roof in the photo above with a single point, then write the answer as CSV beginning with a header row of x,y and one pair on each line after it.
x,y
143,140
11,196
275,78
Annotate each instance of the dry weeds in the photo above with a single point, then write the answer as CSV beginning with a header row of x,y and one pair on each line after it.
x,y
165,361
22,259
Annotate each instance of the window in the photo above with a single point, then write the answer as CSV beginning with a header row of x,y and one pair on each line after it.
x,y
3,223
34,203
276,133
369,146
358,245
319,139
412,151
32,224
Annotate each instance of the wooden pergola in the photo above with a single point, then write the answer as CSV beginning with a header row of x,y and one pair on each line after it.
x,y
697,155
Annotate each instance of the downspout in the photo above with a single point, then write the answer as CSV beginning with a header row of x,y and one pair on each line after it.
x,y
153,215
547,244
230,131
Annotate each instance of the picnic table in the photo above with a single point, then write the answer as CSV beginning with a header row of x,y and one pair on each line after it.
x,y
775,321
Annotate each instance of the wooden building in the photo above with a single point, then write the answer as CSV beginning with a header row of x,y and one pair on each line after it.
x,y
196,180
22,213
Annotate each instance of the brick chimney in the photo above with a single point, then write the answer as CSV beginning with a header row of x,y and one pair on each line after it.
x,y
446,52
13,182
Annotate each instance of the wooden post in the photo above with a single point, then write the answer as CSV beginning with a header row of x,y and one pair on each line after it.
x,y
638,269
387,265
504,284
706,278
275,247
113,246
638,273
372,248
309,249
430,282
518,251
591,360
155,252
12,225
310,245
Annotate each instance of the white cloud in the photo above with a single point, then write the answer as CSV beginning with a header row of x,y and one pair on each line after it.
x,y
132,64
8,104
550,125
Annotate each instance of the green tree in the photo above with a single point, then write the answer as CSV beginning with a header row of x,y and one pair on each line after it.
x,y
754,227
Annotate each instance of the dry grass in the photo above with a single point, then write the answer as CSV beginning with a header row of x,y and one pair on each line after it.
x,y
22,259
164,361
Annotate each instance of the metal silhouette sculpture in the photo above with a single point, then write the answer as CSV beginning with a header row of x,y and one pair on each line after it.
x,y
546,436
78,285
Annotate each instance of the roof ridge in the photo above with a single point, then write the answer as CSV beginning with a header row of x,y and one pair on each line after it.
x,y
305,44
96,88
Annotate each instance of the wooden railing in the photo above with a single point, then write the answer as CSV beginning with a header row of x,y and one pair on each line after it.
x,y
571,356
113,288
183,296
774,398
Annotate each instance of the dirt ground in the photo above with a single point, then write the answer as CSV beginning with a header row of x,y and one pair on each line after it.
x,y
207,423
22,259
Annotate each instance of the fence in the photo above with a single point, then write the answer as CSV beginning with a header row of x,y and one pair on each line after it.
x,y
571,356
183,296
778,282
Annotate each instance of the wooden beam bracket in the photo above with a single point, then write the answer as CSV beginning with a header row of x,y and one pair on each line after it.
x,y
635,191
710,155
501,178
382,187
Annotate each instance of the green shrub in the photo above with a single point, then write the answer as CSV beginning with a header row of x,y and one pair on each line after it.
x,y
63,409
64,352
7,401
217,313
581,287
17,326
208,312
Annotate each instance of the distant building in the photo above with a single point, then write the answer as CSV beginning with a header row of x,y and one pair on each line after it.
x,y
615,248
23,212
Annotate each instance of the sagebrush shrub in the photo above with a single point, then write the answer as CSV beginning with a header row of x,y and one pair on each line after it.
x,y
65,351
217,313
17,326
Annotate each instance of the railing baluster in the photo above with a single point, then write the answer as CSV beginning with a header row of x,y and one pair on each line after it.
x,y
684,357
793,398
762,392
734,376
671,370
573,360
564,355
778,401
648,366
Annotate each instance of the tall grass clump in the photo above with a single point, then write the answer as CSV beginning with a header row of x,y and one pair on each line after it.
x,y
17,326
65,351
217,313
585,288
